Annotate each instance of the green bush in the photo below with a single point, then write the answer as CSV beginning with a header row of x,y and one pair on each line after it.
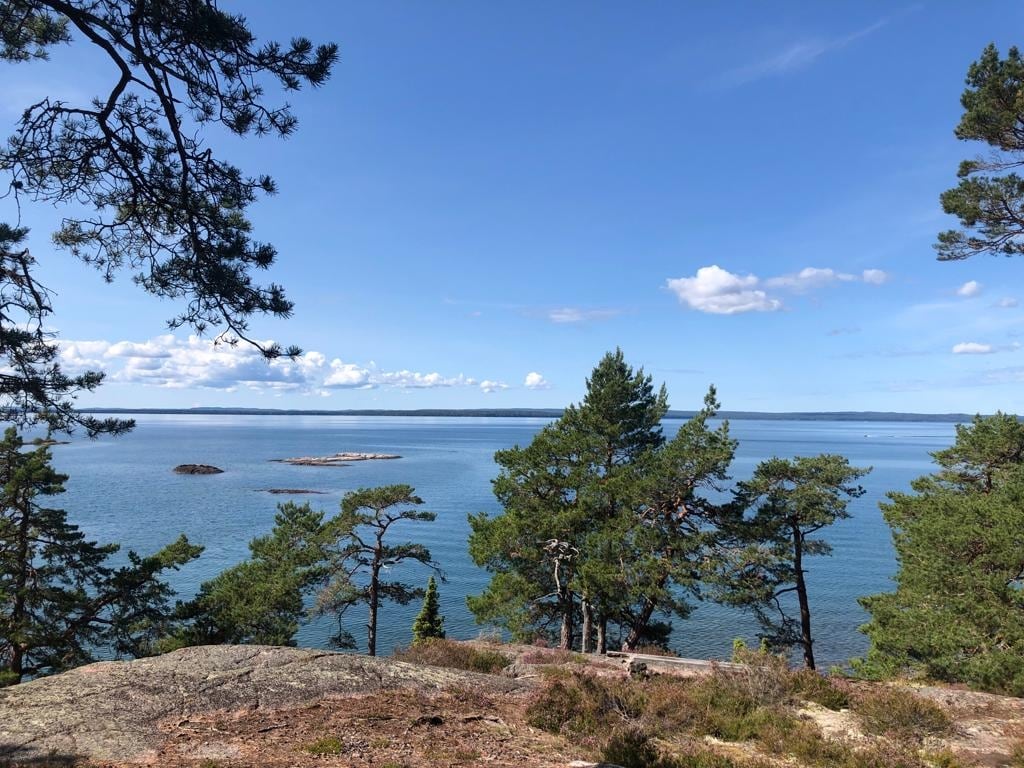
x,y
633,748
728,707
587,705
329,745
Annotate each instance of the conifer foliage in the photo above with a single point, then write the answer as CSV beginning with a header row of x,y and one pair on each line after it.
x,y
957,613
610,531
142,188
429,623
604,523
989,200
360,557
782,508
61,598
262,599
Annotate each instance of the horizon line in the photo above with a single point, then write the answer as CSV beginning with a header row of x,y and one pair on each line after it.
x,y
847,415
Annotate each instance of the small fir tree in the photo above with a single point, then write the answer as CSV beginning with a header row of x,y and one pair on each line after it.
x,y
429,624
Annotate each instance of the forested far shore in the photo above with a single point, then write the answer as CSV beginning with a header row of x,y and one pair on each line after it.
x,y
548,413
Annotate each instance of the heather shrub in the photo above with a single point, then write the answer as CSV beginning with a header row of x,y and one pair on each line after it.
x,y
632,748
455,655
900,713
808,685
585,705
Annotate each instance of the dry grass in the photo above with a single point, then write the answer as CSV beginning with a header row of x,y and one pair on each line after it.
x,y
454,655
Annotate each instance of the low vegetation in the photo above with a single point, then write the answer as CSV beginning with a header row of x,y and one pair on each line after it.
x,y
900,713
438,652
760,716
327,746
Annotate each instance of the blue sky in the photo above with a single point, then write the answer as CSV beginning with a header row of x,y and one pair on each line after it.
x,y
488,196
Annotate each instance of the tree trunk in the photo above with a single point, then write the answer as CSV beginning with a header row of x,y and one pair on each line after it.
x,y
801,592
565,633
588,625
642,621
23,564
602,635
371,626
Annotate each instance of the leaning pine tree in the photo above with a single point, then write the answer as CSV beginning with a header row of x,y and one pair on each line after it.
x,y
359,556
781,511
429,623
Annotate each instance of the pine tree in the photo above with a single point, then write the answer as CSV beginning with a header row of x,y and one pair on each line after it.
x,y
785,503
957,613
616,433
532,547
60,598
603,521
989,200
677,525
260,600
359,555
135,169
429,623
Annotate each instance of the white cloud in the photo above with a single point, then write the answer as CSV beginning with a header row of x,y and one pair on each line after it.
x,y
578,315
972,348
81,356
1008,302
174,363
489,386
414,380
809,277
792,58
874,276
347,376
718,291
535,381
153,348
969,289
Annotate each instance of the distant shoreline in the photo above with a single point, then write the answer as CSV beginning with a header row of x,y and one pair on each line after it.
x,y
543,413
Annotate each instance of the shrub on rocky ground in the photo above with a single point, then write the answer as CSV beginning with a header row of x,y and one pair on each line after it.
x,y
808,685
727,706
900,714
454,655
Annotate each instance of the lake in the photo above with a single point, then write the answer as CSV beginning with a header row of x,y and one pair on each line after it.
x,y
123,490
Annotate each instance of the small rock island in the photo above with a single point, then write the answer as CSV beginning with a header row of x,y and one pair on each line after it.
x,y
197,469
336,460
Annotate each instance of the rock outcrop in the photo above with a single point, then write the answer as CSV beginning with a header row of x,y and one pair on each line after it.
x,y
198,469
336,460
119,711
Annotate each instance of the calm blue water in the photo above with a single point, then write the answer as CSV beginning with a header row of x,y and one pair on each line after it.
x,y
123,490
